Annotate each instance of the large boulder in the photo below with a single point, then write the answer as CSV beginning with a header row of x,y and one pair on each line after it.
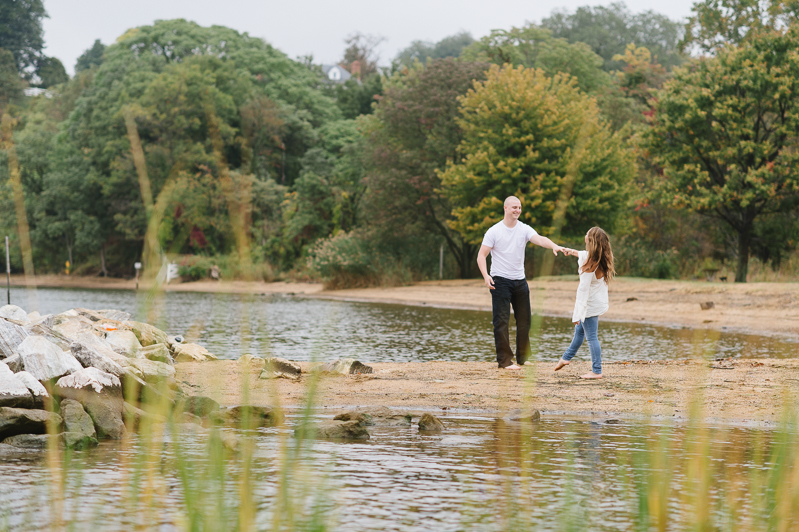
x,y
157,352
99,344
344,366
35,387
15,421
116,315
124,343
280,368
430,423
33,441
11,335
336,430
70,326
76,419
250,416
45,360
153,371
13,392
13,312
148,334
100,394
191,353
89,357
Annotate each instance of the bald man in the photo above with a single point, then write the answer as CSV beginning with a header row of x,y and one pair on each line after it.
x,y
506,242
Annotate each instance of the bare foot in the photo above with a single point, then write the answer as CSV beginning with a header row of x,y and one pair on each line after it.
x,y
591,375
513,366
562,363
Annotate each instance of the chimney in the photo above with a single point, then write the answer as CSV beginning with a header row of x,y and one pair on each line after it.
x,y
355,69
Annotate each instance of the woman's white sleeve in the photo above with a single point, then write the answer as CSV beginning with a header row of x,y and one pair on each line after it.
x,y
581,304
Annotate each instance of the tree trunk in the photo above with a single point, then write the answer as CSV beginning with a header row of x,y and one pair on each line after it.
x,y
744,239
467,261
103,271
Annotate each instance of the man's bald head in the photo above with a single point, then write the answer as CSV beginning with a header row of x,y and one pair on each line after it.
x,y
512,199
513,208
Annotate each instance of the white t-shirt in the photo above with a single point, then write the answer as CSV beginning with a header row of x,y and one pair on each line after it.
x,y
592,294
507,248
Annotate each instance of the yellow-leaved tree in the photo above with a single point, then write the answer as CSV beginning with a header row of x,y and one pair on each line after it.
x,y
539,138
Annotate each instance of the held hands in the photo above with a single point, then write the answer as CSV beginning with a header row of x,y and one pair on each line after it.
x,y
569,252
489,282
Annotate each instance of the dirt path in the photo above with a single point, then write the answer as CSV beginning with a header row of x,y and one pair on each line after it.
x,y
759,308
741,391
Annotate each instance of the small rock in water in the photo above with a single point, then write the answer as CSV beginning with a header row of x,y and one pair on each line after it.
x,y
362,418
76,420
252,416
275,368
336,430
344,366
199,405
33,441
75,440
13,312
430,423
191,353
45,360
523,415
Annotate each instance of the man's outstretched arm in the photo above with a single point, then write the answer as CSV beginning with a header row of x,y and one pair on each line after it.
x,y
481,263
544,242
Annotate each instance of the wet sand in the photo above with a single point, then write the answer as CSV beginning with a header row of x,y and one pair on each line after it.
x,y
751,392
756,308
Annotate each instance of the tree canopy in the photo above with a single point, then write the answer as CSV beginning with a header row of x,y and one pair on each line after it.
x,y
421,51
21,31
91,57
725,135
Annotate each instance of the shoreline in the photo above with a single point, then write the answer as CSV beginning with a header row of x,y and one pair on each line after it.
x,y
766,309
743,392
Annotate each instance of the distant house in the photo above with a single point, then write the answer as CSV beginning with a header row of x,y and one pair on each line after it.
x,y
336,73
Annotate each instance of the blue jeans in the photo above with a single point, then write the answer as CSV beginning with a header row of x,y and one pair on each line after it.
x,y
587,328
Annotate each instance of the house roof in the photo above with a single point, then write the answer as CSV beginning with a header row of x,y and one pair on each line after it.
x,y
336,73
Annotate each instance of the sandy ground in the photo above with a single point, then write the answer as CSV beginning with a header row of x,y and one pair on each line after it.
x,y
759,308
753,392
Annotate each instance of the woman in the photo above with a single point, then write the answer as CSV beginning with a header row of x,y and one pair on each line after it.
x,y
595,266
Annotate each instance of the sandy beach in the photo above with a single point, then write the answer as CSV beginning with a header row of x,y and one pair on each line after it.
x,y
749,392
757,308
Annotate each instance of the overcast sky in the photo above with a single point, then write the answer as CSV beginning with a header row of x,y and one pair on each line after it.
x,y
302,27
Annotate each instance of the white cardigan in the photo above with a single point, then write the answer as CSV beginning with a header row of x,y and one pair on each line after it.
x,y
592,294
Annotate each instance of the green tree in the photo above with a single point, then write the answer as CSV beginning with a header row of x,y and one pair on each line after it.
x,y
540,139
718,23
11,84
410,138
451,46
91,57
535,47
51,72
356,98
609,29
21,31
724,134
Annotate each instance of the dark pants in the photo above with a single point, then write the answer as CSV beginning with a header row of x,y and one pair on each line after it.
x,y
509,292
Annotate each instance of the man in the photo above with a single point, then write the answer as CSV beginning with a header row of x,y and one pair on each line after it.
x,y
506,242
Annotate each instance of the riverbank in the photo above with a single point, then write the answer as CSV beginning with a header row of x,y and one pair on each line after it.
x,y
756,308
738,391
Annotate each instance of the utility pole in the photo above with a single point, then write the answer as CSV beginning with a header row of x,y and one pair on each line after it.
x,y
8,274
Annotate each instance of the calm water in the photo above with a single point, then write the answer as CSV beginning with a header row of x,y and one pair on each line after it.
x,y
295,328
587,474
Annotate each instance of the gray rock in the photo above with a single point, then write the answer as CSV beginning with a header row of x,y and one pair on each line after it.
x,y
157,352
13,392
35,387
75,440
280,368
13,312
15,421
91,339
11,335
430,423
14,363
336,430
117,315
45,360
40,328
69,327
76,420
124,343
345,366
148,334
191,353
250,416
92,358
523,415
364,419
152,371
34,441
100,394
90,314
199,405
385,417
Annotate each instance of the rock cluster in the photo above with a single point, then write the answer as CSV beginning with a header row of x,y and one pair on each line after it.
x,y
74,378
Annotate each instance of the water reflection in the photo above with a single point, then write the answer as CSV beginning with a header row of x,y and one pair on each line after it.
x,y
300,328
481,474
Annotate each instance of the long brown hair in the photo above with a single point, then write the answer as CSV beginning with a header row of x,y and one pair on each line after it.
x,y
600,256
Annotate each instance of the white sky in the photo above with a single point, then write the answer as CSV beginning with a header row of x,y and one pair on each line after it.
x,y
301,27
